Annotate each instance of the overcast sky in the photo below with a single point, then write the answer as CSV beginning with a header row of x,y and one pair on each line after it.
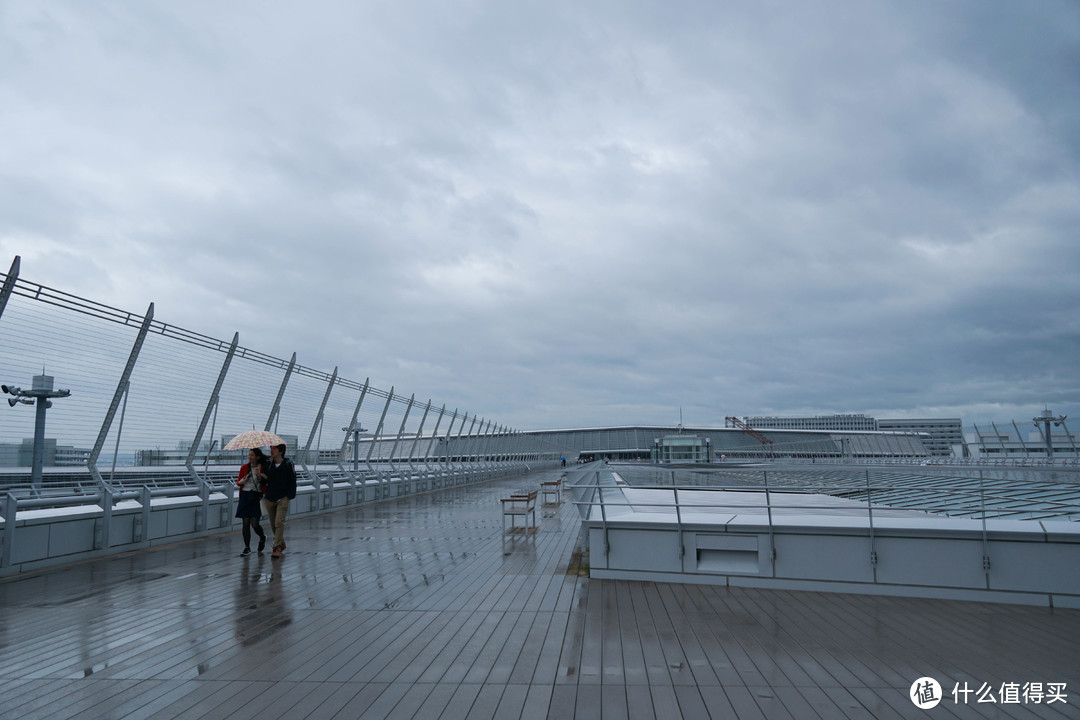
x,y
579,213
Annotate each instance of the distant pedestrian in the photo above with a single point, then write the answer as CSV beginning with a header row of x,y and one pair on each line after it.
x,y
280,489
248,508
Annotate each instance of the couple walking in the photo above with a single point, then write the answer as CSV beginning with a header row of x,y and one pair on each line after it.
x,y
266,487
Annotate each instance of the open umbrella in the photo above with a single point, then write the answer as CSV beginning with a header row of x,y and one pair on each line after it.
x,y
253,439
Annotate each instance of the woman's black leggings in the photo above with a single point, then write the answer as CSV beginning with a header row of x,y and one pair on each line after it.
x,y
252,523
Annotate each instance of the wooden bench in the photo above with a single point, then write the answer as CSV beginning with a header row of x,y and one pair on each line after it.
x,y
521,505
551,488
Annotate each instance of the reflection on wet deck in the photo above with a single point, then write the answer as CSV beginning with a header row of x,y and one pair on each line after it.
x,y
423,608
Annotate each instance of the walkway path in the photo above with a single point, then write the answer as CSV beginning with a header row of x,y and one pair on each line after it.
x,y
421,608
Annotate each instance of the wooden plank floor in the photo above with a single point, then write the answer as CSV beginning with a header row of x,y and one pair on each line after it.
x,y
423,608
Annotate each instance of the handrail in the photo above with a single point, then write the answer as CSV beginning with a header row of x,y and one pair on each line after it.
x,y
983,497
767,507
216,484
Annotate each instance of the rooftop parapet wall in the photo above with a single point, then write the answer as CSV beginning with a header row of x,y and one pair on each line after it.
x,y
44,534
816,542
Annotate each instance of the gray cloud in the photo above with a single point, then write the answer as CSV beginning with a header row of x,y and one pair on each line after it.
x,y
557,214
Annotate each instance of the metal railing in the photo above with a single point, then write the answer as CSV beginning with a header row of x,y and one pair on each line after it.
x,y
152,404
601,495
981,496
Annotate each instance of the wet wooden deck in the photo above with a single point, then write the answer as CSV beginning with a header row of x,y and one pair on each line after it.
x,y
423,608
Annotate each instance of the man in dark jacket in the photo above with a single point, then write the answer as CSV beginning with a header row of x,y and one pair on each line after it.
x,y
280,489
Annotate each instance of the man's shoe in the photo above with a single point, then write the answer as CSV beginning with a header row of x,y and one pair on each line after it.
x,y
247,551
276,554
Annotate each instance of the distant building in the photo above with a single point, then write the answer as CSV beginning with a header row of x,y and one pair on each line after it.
x,y
817,422
640,442
944,433
941,435
53,455
157,456
681,449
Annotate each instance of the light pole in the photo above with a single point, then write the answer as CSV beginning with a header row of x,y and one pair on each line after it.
x,y
40,395
355,430
1045,419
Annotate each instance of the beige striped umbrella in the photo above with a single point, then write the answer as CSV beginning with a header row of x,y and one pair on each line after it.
x,y
253,439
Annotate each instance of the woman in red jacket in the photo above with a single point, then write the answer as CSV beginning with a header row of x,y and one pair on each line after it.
x,y
249,508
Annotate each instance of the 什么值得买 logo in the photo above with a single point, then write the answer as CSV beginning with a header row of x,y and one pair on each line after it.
x,y
925,693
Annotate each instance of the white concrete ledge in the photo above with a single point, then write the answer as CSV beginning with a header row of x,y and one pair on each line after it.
x,y
898,553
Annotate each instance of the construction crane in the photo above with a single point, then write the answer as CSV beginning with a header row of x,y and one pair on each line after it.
x,y
737,423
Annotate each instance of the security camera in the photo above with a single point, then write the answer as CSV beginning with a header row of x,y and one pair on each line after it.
x,y
11,389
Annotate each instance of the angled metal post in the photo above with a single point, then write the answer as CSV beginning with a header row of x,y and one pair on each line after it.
x,y
1021,436
497,442
374,442
1069,435
997,434
213,440
401,430
270,421
460,445
419,431
9,283
477,446
311,438
496,447
488,450
446,471
470,443
125,376
119,432
520,450
434,443
354,430
455,472
481,448
397,439
210,407
483,440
